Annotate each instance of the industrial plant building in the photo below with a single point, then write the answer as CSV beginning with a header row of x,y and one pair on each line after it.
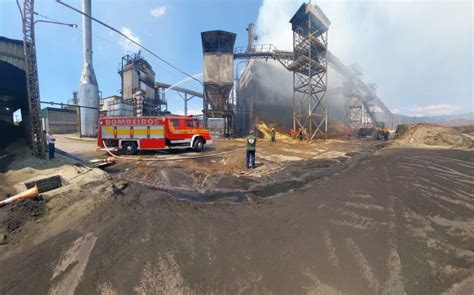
x,y
59,120
140,96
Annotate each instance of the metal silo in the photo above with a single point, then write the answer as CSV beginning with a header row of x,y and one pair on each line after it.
x,y
218,48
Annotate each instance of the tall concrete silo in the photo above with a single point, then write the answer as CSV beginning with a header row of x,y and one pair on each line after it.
x,y
89,89
218,48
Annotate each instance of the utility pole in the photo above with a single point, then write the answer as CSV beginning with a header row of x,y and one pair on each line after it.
x,y
37,137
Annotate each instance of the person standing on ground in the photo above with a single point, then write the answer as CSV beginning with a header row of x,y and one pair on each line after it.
x,y
251,143
51,141
349,133
273,134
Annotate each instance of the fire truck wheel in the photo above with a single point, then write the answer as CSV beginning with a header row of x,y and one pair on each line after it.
x,y
129,148
198,145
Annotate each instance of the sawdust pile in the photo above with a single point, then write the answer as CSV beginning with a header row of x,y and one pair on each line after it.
x,y
265,131
433,135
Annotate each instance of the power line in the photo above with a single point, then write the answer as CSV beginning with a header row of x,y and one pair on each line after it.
x,y
19,8
79,29
106,40
46,17
103,39
120,45
130,39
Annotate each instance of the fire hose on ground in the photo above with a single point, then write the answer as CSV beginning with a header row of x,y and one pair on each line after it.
x,y
169,158
32,193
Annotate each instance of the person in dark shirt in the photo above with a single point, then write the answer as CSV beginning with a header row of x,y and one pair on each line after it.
x,y
51,141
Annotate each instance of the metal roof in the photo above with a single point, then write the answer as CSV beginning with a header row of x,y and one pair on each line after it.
x,y
11,51
319,21
218,41
44,111
5,39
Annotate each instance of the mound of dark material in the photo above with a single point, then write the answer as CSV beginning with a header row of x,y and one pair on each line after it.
x,y
13,216
9,133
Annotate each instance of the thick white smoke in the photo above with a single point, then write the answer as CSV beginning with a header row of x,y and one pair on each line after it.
x,y
417,52
273,25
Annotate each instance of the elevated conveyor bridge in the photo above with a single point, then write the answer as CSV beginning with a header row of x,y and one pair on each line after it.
x,y
286,58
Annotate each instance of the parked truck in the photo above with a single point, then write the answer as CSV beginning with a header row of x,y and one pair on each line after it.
x,y
132,134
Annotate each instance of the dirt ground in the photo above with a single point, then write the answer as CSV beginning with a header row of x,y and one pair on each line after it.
x,y
284,165
336,217
30,222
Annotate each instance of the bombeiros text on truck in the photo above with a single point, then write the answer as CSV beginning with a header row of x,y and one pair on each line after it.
x,y
132,134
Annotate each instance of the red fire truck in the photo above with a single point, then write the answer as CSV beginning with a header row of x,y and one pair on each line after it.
x,y
132,134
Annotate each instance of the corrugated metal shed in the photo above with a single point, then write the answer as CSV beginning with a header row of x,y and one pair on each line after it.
x,y
59,121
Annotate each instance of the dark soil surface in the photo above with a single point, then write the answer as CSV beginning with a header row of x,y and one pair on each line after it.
x,y
21,212
392,221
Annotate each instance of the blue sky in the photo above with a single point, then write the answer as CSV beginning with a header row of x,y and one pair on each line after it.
x,y
418,53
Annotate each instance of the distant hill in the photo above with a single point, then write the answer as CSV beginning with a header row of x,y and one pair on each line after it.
x,y
446,120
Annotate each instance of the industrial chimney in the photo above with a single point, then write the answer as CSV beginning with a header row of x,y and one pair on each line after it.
x,y
251,37
89,90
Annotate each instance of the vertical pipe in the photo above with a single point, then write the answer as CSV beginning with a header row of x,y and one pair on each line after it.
x,y
204,107
89,91
87,33
121,78
294,90
185,104
310,81
79,114
294,104
74,97
326,90
250,36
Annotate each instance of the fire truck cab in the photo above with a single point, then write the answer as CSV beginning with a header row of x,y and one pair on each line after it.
x,y
131,134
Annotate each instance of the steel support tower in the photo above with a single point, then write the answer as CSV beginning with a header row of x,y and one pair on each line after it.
x,y
353,98
309,67
353,105
34,106
309,62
